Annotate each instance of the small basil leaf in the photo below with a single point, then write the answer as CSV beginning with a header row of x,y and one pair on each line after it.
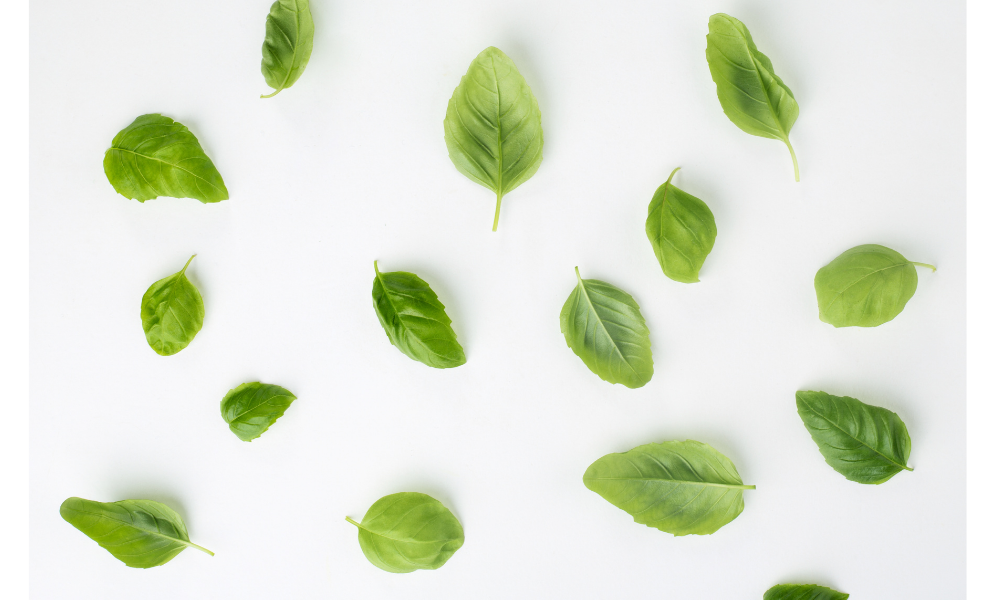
x,y
251,408
156,156
140,533
172,313
603,326
408,531
414,319
682,488
288,43
681,229
493,127
864,443
865,287
752,96
791,591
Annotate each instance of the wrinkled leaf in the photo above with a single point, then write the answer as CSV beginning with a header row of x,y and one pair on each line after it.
x,y
288,43
791,591
172,313
251,408
681,229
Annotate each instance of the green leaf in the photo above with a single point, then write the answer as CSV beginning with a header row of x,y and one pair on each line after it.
x,y
493,127
414,319
682,488
603,326
864,443
681,229
865,287
251,408
156,156
752,96
408,531
791,591
172,313
140,533
288,43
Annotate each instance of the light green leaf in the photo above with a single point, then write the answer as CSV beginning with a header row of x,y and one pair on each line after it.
x,y
682,488
681,229
156,156
140,533
752,96
408,531
172,313
865,287
288,43
251,408
493,127
791,591
414,319
603,326
864,443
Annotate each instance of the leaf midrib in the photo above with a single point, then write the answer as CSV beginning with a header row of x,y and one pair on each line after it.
x,y
863,277
605,329
845,432
132,526
677,481
763,88
160,160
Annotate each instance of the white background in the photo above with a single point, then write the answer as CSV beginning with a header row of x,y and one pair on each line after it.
x,y
350,165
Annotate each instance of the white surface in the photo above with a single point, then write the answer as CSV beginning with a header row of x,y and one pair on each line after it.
x,y
350,165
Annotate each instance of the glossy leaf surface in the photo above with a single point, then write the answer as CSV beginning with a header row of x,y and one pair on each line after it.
x,y
493,127
864,443
791,591
414,319
140,533
682,488
156,156
681,229
751,94
251,408
408,531
288,43
603,326
172,313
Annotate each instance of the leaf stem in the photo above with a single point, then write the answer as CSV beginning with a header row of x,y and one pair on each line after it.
x,y
205,550
919,264
795,161
496,215
188,263
376,267
907,468
353,522
272,94
578,274
672,175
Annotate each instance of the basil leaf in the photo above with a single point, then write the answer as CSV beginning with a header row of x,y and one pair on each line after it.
x,y
681,229
682,488
157,156
172,313
288,43
414,319
752,96
864,443
140,533
408,531
603,326
251,408
865,287
791,591
493,127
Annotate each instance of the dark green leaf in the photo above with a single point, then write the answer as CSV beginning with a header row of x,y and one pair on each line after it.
x,y
681,229
251,408
172,313
790,591
288,43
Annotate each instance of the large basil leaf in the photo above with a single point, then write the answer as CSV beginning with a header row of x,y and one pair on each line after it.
x,y
679,487
172,313
493,127
603,326
791,591
408,531
865,287
681,229
752,96
288,43
140,533
251,408
414,319
864,443
156,156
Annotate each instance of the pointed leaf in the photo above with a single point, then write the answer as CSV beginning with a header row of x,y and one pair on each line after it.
x,y
681,229
251,408
172,313
791,591
288,43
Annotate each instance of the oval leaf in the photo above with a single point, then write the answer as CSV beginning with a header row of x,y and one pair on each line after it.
x,y
251,408
682,488
288,43
752,96
864,443
172,313
414,319
791,591
156,156
408,531
865,287
603,326
681,229
140,533
493,127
